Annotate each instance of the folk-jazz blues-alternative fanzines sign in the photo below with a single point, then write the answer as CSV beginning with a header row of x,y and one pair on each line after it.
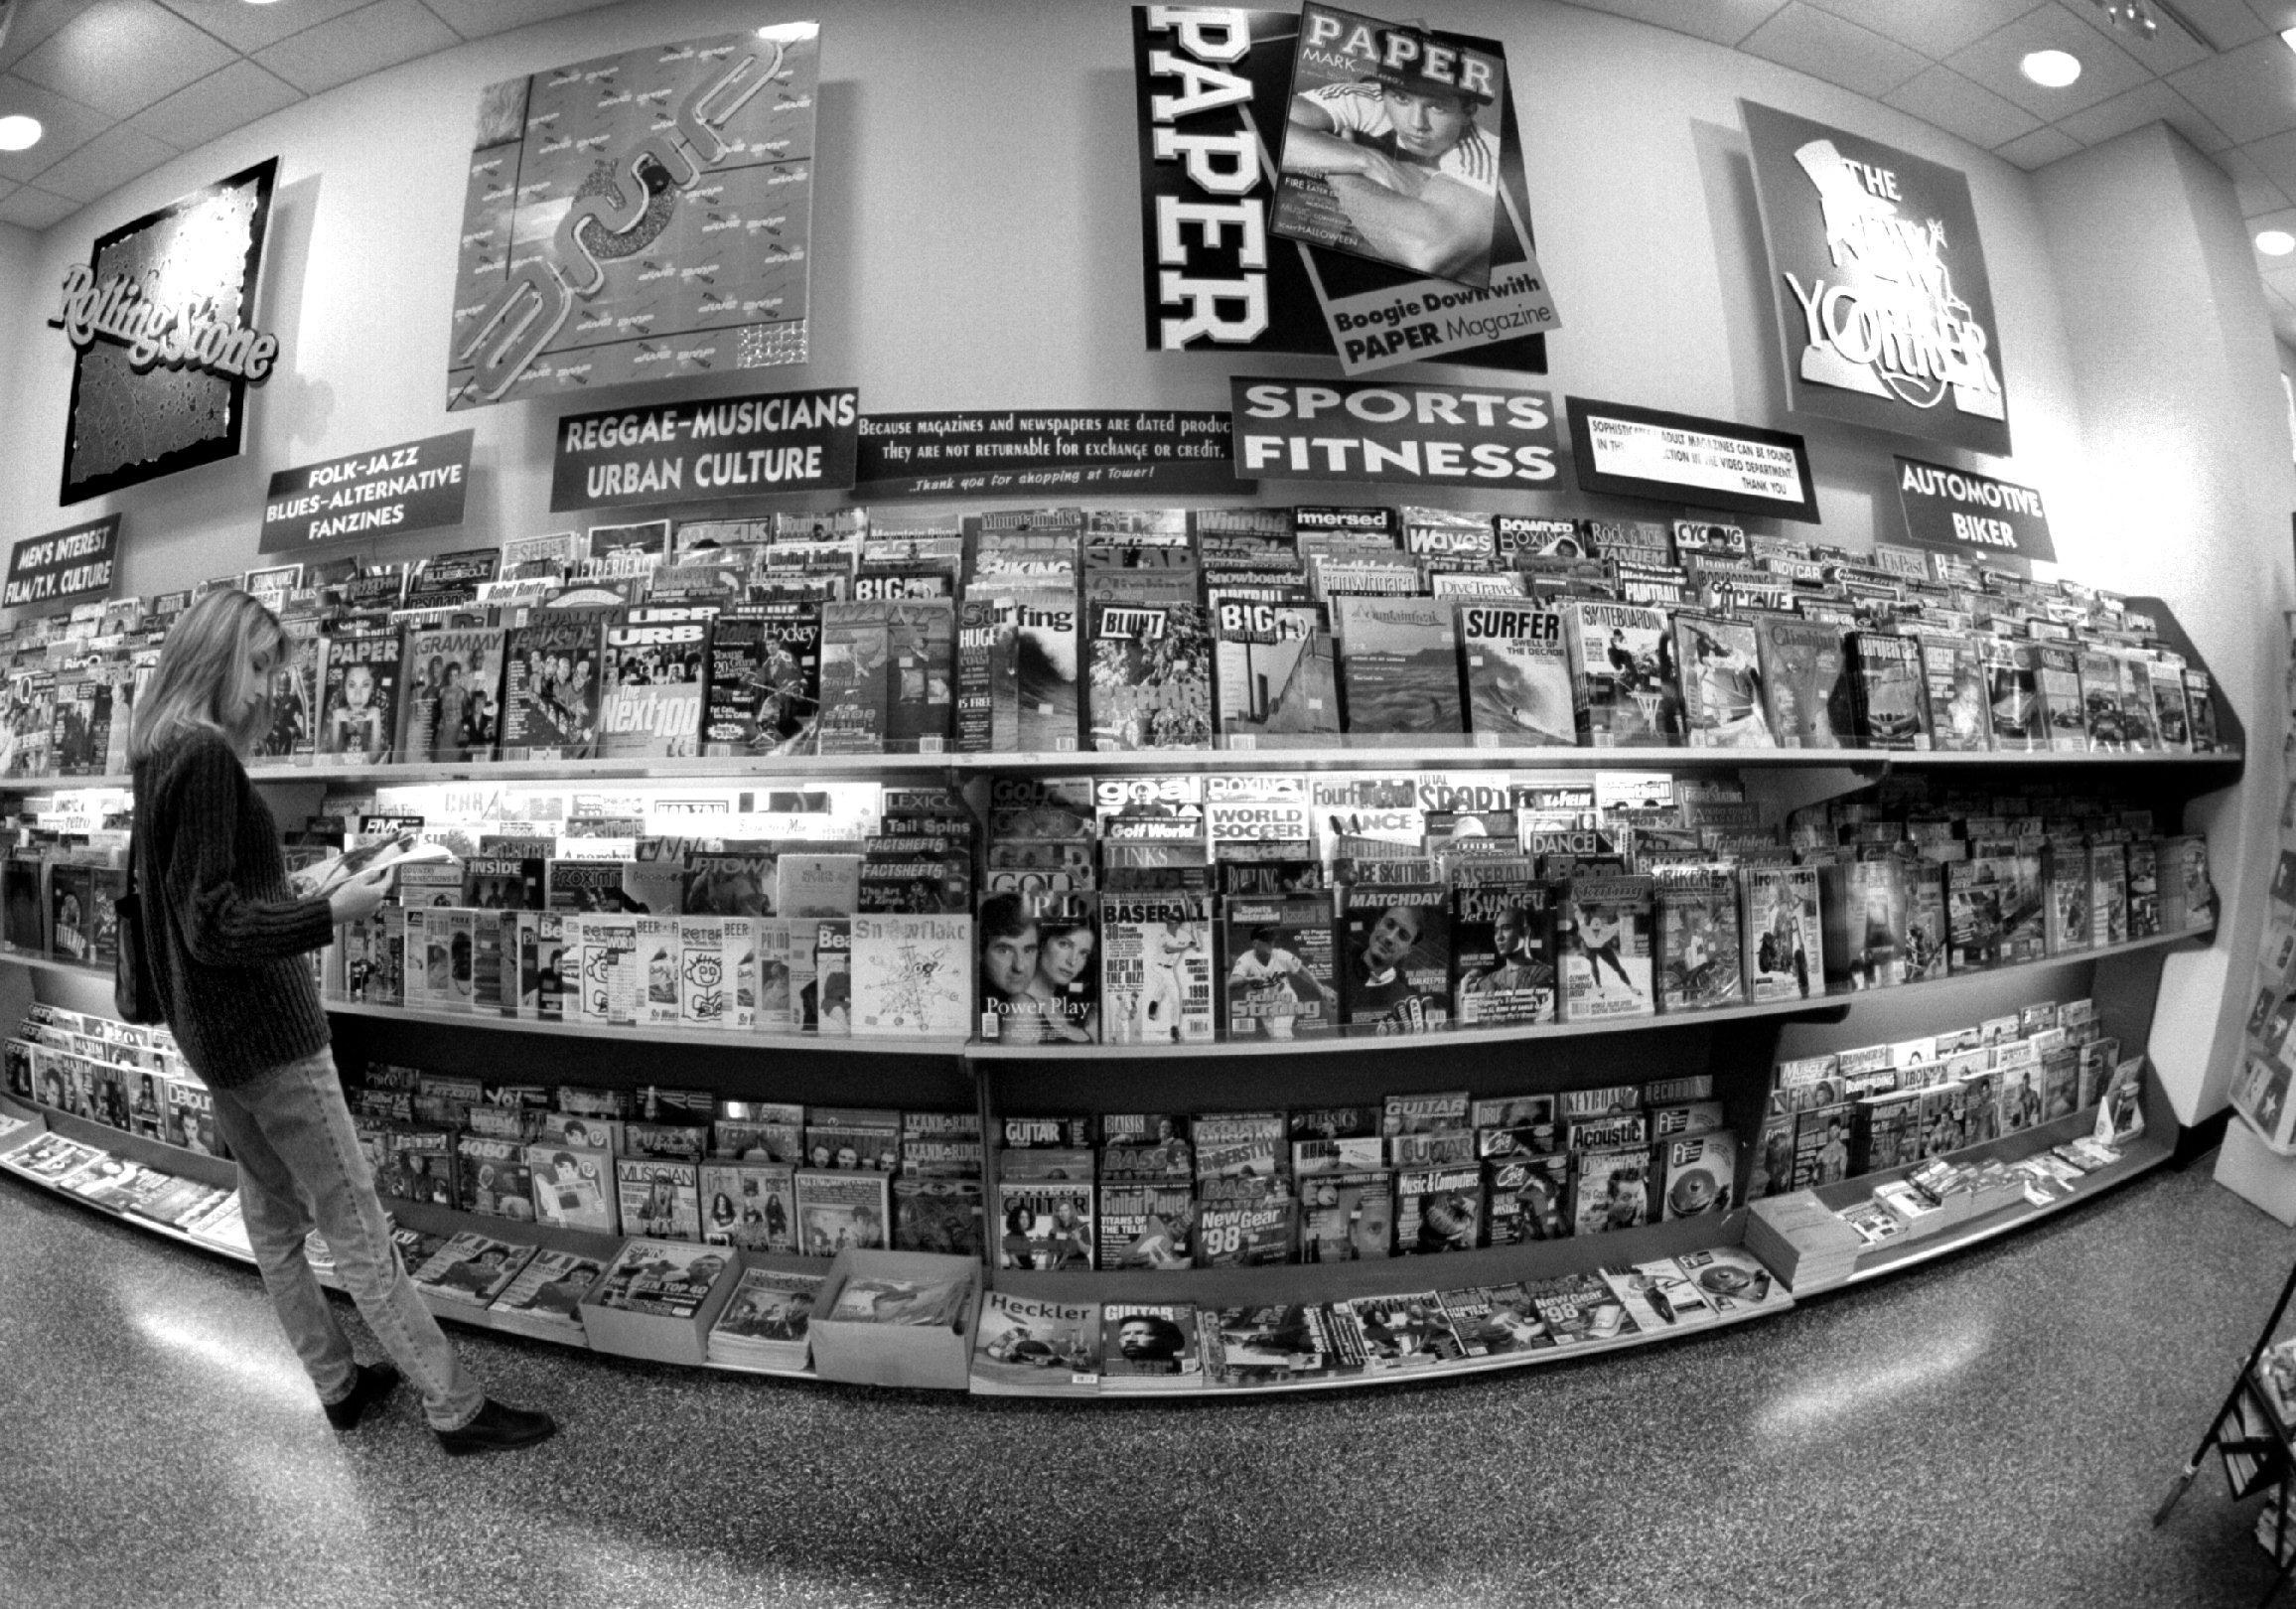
x,y
162,316
638,217
1880,280
1215,100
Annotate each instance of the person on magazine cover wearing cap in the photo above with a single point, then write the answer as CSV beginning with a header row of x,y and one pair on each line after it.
x,y
1408,161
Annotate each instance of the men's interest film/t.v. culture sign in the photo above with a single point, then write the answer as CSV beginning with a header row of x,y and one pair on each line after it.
x,y
1880,280
638,217
162,316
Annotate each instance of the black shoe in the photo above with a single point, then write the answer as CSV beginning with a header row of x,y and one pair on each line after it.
x,y
374,1382
498,1429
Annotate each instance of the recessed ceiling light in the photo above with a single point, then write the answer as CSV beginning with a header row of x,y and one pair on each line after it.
x,y
20,134
2276,242
2052,70
2288,38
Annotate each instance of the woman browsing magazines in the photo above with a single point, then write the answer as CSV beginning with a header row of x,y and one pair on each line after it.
x,y
226,939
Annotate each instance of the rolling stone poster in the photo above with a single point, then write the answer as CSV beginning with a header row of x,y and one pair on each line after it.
x,y
1328,183
645,216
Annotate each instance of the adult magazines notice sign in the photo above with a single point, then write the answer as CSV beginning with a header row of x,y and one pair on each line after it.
x,y
927,455
418,485
695,452
1416,435
74,563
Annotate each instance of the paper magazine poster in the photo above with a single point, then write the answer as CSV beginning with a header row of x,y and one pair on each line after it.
x,y
656,674
1518,669
1391,148
912,975
361,720
452,686
1156,969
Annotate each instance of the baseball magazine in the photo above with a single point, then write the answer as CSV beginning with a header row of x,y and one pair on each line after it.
x,y
1156,969
1278,956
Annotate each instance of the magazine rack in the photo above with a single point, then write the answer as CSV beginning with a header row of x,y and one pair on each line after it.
x,y
1736,1046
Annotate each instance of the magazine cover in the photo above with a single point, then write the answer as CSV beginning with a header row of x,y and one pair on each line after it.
x,y
1047,655
361,720
1603,935
298,691
1699,966
651,704
550,687
1149,1347
1780,937
1156,969
2136,705
1892,695
2106,728
1150,684
1045,1223
659,1197
661,1277
752,1205
855,677
1517,672
1720,662
1868,907
2063,712
1392,146
920,672
574,1187
1701,1174
1251,1228
1995,908
1274,669
1347,1217
912,975
1526,1198
1610,1191
2012,694
1626,691
1395,958
1036,1347
1147,1224
1959,703
1037,982
1807,680
764,686
1398,663
837,1209
1503,953
1281,977
450,695
1438,1209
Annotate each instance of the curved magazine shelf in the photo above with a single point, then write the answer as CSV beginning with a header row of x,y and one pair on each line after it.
x,y
637,1034
1327,1282
1364,754
1817,1007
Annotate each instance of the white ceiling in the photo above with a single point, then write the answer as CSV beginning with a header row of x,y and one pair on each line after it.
x,y
2232,90
124,84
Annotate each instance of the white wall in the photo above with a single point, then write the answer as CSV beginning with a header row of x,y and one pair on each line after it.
x,y
976,245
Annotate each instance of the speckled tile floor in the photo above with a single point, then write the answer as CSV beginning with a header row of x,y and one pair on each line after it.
x,y
1993,1430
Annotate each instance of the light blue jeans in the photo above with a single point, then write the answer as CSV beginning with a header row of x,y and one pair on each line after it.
x,y
300,1164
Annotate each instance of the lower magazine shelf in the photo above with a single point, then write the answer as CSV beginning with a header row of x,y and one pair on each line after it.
x,y
1213,1287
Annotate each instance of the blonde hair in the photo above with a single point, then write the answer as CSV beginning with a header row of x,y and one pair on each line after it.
x,y
207,679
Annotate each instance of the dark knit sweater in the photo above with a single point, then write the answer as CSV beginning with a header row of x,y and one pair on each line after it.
x,y
226,936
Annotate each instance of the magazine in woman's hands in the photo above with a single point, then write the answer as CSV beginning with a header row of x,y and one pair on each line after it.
x,y
324,877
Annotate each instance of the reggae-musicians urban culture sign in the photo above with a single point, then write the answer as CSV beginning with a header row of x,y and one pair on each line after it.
x,y
163,315
1881,287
